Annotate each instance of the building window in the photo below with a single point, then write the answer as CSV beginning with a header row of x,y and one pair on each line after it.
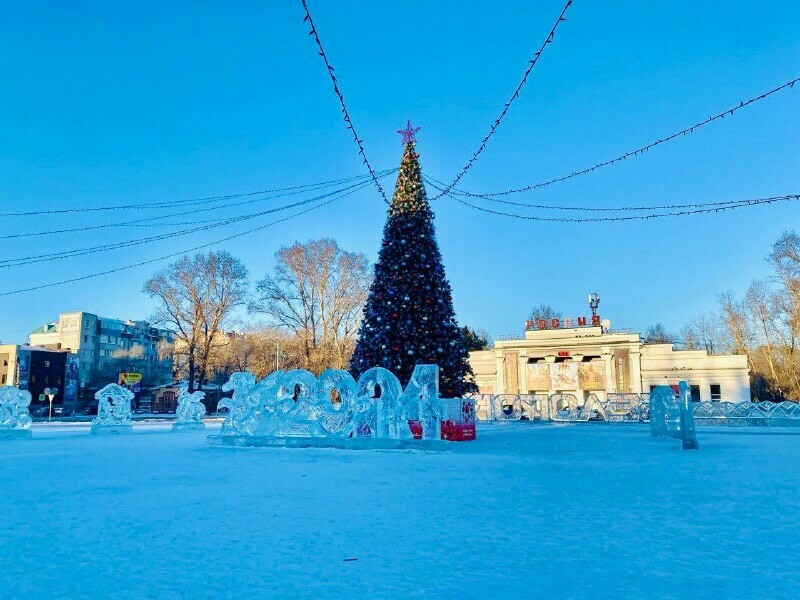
x,y
85,339
47,364
4,379
695,391
716,392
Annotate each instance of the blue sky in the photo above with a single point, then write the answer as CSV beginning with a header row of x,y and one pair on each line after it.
x,y
108,103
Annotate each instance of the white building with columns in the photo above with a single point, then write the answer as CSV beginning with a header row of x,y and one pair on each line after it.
x,y
592,360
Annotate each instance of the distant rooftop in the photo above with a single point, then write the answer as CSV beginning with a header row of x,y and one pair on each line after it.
x,y
47,328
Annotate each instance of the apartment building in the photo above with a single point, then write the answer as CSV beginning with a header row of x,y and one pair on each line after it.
x,y
106,348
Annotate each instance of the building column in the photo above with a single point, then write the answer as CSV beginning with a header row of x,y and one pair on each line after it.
x,y
501,373
522,372
636,372
611,382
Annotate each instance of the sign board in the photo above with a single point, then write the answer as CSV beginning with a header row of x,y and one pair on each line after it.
x,y
622,370
132,381
567,323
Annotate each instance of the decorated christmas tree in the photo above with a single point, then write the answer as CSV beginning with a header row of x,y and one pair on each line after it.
x,y
409,317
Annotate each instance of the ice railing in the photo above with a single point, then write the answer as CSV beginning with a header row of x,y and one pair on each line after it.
x,y
628,408
298,404
747,414
561,407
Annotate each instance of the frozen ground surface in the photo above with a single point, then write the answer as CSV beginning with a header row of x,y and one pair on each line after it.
x,y
526,512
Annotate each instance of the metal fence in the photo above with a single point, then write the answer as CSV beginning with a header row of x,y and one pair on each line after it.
x,y
627,408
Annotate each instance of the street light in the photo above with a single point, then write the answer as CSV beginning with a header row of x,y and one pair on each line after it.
x,y
50,393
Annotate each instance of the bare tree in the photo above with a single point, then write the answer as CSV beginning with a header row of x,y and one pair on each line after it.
x,y
259,350
658,334
705,332
196,296
316,293
544,312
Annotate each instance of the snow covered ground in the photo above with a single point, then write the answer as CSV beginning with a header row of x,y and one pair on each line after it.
x,y
526,511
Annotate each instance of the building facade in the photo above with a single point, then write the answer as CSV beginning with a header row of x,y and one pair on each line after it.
x,y
107,349
37,369
593,360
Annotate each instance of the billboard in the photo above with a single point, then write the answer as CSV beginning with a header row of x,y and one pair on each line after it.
x,y
71,379
592,376
564,376
132,381
23,368
538,377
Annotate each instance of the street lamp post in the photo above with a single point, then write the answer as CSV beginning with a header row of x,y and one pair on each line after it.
x,y
50,393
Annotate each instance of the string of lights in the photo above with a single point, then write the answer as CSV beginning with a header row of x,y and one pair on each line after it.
x,y
439,186
514,96
15,262
173,254
196,201
674,213
152,221
641,150
345,113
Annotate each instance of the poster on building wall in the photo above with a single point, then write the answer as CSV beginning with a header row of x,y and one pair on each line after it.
x,y
511,373
23,368
564,376
538,377
622,370
592,376
70,325
71,379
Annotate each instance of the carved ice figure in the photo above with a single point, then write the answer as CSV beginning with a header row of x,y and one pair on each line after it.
x,y
672,416
420,404
241,418
380,417
336,402
297,397
191,409
113,409
14,414
688,435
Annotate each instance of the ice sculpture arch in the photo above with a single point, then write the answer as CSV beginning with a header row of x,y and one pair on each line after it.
x,y
334,405
15,418
113,410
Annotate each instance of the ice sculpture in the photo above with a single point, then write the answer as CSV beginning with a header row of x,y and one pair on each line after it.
x,y
672,416
380,417
419,403
190,410
15,419
240,405
297,404
113,410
